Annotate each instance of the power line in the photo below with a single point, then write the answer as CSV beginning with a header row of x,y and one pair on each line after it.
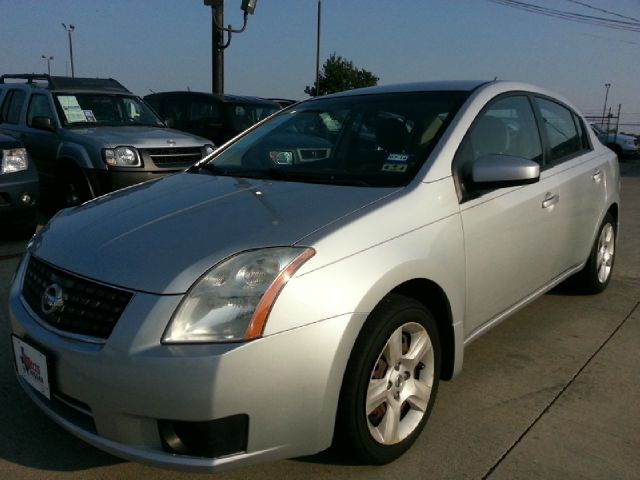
x,y
631,25
608,12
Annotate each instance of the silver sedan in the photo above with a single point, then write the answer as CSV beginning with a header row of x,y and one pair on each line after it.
x,y
312,281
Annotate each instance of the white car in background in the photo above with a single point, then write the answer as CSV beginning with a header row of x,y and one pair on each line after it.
x,y
622,144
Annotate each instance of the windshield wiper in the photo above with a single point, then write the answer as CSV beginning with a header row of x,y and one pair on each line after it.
x,y
209,167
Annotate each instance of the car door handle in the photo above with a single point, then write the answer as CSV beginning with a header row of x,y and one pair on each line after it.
x,y
597,176
550,200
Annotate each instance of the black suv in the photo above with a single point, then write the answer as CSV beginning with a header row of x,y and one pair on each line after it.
x,y
90,136
216,117
19,189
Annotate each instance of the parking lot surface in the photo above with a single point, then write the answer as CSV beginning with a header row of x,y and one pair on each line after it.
x,y
551,393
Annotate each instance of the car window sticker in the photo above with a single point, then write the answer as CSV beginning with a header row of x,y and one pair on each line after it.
x,y
71,108
395,162
89,116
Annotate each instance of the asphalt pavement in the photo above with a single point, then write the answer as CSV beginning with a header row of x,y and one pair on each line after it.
x,y
551,393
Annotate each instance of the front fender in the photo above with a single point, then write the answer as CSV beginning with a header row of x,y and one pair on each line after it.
x,y
81,156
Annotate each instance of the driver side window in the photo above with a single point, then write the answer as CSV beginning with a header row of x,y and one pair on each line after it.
x,y
38,107
506,127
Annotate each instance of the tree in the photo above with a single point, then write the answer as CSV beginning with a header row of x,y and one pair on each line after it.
x,y
340,74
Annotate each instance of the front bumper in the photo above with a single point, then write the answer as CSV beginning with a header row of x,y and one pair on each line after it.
x,y
116,395
19,197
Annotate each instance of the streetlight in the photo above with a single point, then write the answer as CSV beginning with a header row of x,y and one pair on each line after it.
x,y
48,59
217,38
606,95
70,29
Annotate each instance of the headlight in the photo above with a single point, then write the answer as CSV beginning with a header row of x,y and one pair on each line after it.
x,y
208,150
233,300
14,160
122,157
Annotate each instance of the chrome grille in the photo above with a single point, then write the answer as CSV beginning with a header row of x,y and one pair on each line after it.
x,y
175,157
87,308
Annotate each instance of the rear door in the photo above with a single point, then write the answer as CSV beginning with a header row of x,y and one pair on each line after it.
x,y
580,173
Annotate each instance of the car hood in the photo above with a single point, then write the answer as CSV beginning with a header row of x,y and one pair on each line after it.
x,y
137,136
161,236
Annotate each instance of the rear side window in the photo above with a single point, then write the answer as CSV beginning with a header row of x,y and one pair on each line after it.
x,y
563,134
12,106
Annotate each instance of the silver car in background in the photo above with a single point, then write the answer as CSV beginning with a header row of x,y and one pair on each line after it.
x,y
311,282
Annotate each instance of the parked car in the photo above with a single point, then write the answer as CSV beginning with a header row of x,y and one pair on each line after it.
x,y
622,144
19,189
90,136
216,117
287,300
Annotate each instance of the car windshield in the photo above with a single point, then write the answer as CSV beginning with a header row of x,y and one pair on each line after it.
x,y
366,140
103,109
244,115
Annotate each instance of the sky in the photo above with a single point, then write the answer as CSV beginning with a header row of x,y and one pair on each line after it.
x,y
159,45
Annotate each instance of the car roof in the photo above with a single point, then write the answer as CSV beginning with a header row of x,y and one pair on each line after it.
x,y
223,98
435,86
66,83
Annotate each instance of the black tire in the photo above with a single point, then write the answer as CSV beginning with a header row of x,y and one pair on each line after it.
x,y
72,189
596,274
361,435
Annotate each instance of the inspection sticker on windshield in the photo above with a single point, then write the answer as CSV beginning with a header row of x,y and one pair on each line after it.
x,y
88,114
31,366
395,162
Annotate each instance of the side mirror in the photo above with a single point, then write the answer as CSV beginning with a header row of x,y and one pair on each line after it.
x,y
43,123
504,171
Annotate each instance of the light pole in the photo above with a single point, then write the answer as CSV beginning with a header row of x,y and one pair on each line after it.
x,y
318,52
218,44
48,59
606,95
70,29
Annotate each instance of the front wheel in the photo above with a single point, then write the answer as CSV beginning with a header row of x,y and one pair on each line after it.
x,y
391,381
72,189
596,274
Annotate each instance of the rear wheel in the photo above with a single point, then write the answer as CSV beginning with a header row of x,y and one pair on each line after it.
x,y
391,381
596,274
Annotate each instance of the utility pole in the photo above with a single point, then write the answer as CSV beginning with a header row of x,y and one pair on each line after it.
x,y
604,109
69,30
217,52
218,45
